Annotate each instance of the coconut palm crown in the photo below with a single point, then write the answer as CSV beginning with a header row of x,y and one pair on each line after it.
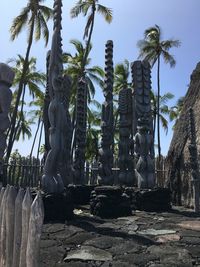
x,y
152,48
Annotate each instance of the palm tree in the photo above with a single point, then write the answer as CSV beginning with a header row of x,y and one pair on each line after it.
x,y
34,78
152,48
85,6
35,17
93,132
37,114
24,127
163,109
33,81
121,76
121,80
74,68
93,74
175,111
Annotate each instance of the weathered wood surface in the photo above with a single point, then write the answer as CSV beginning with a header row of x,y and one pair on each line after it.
x,y
10,221
35,231
1,194
26,208
21,221
1,215
3,228
18,228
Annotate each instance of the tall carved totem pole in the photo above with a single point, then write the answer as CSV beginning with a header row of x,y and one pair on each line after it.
x,y
143,140
57,167
47,99
80,132
126,166
107,127
6,79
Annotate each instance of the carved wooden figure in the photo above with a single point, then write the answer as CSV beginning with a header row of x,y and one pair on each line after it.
x,y
141,78
107,125
144,145
6,80
47,99
144,162
81,123
53,179
126,173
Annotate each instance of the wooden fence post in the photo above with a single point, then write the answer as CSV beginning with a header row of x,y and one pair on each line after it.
x,y
26,208
18,228
10,220
35,231
1,196
3,228
1,214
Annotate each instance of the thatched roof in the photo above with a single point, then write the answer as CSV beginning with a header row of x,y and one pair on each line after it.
x,y
180,136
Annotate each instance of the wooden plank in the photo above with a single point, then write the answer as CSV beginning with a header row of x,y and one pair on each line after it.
x,y
35,231
26,208
18,228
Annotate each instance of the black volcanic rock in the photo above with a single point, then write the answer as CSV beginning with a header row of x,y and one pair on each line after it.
x,y
158,199
110,202
58,207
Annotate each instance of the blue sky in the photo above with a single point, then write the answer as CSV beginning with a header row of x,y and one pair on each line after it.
x,y
178,19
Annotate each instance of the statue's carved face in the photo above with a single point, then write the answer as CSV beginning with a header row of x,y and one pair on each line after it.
x,y
6,74
143,129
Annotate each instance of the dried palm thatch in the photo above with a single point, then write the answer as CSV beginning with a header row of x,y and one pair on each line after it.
x,y
178,167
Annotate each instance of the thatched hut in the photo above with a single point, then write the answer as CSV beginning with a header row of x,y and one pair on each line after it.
x,y
178,165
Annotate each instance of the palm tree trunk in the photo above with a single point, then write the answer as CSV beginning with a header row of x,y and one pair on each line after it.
x,y
89,39
39,141
73,141
20,115
21,85
154,124
158,109
36,133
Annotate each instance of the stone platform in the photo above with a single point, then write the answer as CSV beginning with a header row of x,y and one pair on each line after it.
x,y
58,207
80,193
158,199
146,239
110,202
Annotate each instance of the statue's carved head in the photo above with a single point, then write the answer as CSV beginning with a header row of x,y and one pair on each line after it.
x,y
143,124
7,75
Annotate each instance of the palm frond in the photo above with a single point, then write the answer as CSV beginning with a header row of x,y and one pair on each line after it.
x,y
166,45
96,104
169,58
153,33
19,22
46,12
166,97
164,123
105,12
78,9
96,70
37,27
44,27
